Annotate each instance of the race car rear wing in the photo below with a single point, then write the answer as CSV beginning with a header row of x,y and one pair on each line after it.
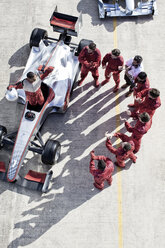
x,y
67,24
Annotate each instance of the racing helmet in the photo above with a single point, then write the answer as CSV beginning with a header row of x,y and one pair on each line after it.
x,y
11,95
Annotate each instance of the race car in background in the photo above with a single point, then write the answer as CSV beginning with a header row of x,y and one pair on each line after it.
x,y
112,8
56,63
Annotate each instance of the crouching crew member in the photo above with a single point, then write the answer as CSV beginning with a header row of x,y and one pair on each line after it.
x,y
90,59
32,88
103,172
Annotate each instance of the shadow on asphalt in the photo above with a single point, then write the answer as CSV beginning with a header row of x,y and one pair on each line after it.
x,y
74,181
20,57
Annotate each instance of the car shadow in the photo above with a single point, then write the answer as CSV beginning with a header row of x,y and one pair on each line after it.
x,y
20,57
80,130
72,184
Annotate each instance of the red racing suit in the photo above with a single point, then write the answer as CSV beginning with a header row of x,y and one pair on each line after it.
x,y
149,105
112,66
138,89
99,175
90,62
122,155
32,90
138,131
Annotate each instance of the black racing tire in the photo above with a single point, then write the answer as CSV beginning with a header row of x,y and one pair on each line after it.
x,y
3,132
37,35
82,44
51,152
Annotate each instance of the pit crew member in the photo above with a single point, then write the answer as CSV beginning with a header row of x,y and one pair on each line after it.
x,y
113,64
104,171
90,59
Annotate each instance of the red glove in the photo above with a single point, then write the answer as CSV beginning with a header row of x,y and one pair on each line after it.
x,y
10,87
116,135
87,64
92,155
126,124
94,64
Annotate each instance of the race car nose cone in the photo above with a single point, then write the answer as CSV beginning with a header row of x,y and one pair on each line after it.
x,y
11,95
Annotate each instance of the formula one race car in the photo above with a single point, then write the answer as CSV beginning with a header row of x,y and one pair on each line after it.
x,y
56,61
115,8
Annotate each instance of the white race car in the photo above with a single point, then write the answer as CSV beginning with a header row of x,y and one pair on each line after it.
x,y
56,61
112,8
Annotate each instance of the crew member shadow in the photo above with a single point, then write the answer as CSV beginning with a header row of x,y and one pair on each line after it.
x,y
70,189
91,8
72,185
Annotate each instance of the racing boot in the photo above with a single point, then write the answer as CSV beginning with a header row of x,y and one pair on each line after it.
x,y
79,82
116,87
129,93
96,82
104,82
124,86
131,105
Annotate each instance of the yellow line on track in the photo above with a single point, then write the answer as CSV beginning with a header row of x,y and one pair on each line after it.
x,y
119,179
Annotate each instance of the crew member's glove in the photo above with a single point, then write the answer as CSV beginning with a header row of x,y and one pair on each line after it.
x,y
87,64
10,87
107,135
116,135
92,155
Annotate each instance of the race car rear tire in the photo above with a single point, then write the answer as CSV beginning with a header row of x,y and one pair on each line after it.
x,y
82,44
37,35
51,152
3,132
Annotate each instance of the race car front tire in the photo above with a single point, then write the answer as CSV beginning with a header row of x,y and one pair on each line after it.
x,y
37,35
51,152
3,132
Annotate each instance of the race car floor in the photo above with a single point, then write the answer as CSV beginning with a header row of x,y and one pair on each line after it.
x,y
74,214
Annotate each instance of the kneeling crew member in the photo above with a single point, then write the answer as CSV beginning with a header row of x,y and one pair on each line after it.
x,y
32,88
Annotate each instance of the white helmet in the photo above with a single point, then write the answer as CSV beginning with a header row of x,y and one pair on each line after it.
x,y
11,95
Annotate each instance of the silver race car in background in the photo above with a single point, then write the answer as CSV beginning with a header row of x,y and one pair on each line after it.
x,y
56,63
112,8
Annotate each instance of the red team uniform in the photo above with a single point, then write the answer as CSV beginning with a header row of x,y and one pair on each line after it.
x,y
138,131
112,67
148,105
99,175
90,62
121,154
